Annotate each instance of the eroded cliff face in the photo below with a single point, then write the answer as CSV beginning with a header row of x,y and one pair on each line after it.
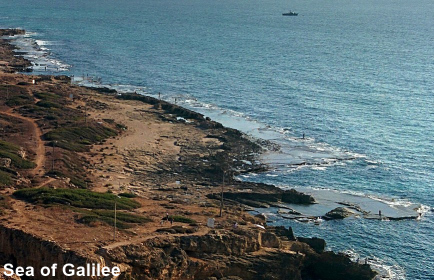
x,y
23,249
246,254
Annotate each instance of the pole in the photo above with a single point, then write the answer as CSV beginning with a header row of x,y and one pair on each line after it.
x,y
114,233
221,201
52,157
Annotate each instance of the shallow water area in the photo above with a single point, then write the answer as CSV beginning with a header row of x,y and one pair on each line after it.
x,y
363,206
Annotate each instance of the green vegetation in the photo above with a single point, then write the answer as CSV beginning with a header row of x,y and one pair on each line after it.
x,y
48,104
19,100
123,220
78,138
9,150
181,219
76,197
129,195
47,96
80,201
5,178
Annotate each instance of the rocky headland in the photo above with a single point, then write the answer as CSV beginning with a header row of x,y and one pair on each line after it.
x,y
69,154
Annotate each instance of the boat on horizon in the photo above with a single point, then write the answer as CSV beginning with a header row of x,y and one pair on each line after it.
x,y
290,13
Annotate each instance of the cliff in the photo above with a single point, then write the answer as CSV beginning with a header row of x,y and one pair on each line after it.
x,y
243,253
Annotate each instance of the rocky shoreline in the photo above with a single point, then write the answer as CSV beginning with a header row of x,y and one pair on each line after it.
x,y
169,161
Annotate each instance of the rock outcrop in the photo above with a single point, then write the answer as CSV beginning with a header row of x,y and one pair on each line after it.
x,y
241,253
338,214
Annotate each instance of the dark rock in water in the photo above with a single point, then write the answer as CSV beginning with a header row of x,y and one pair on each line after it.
x,y
271,196
317,244
103,90
293,196
338,213
331,266
285,232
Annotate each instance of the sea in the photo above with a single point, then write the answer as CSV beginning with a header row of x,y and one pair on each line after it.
x,y
346,89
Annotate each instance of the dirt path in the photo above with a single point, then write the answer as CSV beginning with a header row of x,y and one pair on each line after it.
x,y
36,131
202,231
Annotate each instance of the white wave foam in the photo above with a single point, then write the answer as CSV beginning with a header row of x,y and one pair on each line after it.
x,y
38,53
386,269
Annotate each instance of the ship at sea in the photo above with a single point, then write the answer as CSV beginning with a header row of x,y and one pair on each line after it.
x,y
290,13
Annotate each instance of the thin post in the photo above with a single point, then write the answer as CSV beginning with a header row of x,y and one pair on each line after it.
x,y
114,233
52,157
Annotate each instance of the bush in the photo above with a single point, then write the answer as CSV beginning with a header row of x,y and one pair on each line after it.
x,y
48,104
77,138
5,178
76,197
129,195
9,150
47,96
19,100
181,219
123,220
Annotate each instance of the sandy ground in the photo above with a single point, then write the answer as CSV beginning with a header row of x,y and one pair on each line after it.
x,y
119,165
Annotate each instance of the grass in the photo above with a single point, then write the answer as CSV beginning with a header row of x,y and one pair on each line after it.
x,y
76,197
181,219
123,220
47,96
129,195
48,104
78,138
9,150
5,178
19,100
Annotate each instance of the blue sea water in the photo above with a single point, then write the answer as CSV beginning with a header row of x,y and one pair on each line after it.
x,y
356,77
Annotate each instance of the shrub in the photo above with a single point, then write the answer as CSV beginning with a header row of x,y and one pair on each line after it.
x,y
129,195
48,104
5,178
9,150
181,219
123,220
19,100
77,138
76,197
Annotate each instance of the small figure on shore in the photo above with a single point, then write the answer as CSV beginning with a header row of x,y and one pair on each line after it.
x,y
303,135
379,213
171,221
167,216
